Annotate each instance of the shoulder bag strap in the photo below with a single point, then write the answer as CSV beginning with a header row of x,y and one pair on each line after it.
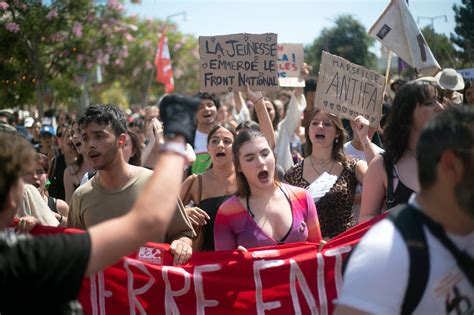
x,y
199,188
389,196
186,196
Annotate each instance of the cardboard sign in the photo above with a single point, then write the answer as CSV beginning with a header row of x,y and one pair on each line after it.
x,y
290,61
230,61
349,90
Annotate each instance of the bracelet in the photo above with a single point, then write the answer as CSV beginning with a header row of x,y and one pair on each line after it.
x,y
174,147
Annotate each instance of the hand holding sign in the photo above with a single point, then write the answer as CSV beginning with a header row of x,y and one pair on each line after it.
x,y
254,97
305,71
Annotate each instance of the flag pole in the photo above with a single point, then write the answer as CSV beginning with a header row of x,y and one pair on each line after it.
x,y
387,71
153,70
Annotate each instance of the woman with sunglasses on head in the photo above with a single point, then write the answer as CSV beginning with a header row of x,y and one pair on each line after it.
x,y
328,173
392,177
264,212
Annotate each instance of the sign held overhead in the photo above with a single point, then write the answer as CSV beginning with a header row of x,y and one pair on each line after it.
x,y
230,61
349,90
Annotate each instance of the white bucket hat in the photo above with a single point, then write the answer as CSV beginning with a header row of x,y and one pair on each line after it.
x,y
450,79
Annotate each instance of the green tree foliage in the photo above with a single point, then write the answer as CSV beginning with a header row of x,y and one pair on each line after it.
x,y
441,47
61,42
347,39
49,53
464,31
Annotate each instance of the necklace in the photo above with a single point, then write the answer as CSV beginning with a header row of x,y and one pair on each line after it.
x,y
322,162
315,169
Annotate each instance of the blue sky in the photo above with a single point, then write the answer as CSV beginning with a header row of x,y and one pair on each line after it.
x,y
299,21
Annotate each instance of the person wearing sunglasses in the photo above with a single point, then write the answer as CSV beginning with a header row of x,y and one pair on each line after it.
x,y
391,177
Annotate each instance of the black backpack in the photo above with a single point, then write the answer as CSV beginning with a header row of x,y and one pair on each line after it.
x,y
409,222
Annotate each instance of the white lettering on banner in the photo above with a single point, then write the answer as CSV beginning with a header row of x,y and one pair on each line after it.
x,y
132,292
257,267
201,302
323,300
98,293
170,304
266,253
296,273
337,252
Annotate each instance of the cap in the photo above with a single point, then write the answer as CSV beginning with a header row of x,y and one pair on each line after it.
x,y
47,129
450,79
29,121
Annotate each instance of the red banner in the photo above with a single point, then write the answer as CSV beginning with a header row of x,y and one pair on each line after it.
x,y
287,279
164,71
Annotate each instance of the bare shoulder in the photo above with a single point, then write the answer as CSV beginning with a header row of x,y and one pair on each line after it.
x,y
62,205
376,171
189,186
231,206
377,164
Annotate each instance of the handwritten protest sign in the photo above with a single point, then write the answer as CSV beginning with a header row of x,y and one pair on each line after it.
x,y
349,90
230,61
290,61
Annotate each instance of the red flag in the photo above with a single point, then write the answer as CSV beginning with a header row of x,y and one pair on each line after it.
x,y
164,71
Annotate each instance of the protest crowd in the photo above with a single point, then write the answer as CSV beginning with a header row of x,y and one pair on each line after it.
x,y
250,168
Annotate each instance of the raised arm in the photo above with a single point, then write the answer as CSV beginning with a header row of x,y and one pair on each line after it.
x,y
240,111
265,122
361,127
289,124
154,134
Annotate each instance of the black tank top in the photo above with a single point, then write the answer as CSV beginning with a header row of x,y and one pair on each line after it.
x,y
402,193
210,205
52,204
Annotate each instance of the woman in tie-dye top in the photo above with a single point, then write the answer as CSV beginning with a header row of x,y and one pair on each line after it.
x,y
264,212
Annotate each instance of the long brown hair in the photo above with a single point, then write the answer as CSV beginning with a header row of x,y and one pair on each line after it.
x,y
136,158
243,186
337,152
398,127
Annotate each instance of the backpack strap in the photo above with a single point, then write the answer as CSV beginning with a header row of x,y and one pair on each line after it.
x,y
463,260
389,196
407,222
199,188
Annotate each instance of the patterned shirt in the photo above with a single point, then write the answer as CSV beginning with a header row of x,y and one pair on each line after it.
x,y
335,208
235,226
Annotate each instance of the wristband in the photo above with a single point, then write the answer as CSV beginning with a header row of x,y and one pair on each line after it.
x,y
174,147
261,98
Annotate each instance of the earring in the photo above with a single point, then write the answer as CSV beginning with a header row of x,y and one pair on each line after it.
x,y
337,140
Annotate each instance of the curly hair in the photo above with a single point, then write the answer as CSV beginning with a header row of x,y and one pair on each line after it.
x,y
104,115
17,156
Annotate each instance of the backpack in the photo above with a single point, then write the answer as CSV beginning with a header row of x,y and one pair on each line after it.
x,y
409,222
